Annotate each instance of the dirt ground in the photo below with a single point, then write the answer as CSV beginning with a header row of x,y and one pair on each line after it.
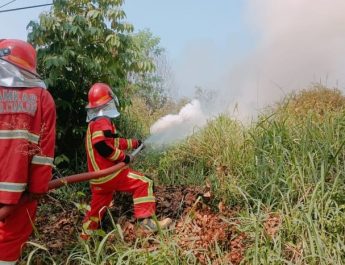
x,y
197,226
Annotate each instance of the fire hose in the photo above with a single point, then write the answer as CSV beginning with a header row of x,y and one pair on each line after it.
x,y
6,210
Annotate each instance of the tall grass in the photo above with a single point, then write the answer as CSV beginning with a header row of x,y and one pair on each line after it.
x,y
163,251
287,163
287,167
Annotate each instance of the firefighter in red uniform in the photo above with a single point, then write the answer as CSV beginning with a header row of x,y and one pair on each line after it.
x,y
105,149
27,140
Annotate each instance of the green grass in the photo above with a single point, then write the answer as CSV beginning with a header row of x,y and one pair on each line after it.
x,y
289,163
282,163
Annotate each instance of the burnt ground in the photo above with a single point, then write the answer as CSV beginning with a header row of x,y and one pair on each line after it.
x,y
197,226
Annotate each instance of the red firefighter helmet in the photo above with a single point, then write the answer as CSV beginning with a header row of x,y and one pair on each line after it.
x,y
102,102
19,53
99,95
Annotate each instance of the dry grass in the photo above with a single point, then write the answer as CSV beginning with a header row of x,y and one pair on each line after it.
x,y
316,102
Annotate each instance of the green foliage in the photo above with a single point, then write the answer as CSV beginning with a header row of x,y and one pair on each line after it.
x,y
80,43
276,167
101,251
264,158
150,86
287,163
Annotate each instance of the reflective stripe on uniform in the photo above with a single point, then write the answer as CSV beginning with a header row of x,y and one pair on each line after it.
x,y
116,155
144,199
129,143
143,179
19,134
12,187
97,134
94,163
90,149
116,142
105,179
42,160
2,262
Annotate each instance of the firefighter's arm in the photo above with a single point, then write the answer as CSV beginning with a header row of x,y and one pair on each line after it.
x,y
110,153
42,162
125,144
122,143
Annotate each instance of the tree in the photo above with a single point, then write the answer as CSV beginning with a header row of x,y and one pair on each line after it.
x,y
154,86
81,42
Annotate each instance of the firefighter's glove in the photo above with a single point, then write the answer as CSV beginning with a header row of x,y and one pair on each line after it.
x,y
141,143
128,159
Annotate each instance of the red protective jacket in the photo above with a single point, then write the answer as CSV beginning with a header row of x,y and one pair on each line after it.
x,y
95,134
27,140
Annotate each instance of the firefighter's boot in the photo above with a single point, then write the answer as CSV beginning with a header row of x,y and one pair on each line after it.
x,y
153,226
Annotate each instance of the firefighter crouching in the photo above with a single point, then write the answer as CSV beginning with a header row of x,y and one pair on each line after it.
x,y
27,140
105,149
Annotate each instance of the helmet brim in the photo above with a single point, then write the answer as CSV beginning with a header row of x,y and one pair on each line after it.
x,y
22,68
98,104
108,110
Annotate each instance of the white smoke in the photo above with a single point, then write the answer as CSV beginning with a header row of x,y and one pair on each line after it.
x,y
174,127
297,42
300,41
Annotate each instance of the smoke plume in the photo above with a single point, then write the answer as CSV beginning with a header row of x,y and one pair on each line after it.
x,y
174,127
296,42
299,42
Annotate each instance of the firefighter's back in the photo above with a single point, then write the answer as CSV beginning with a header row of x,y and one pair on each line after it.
x,y
20,129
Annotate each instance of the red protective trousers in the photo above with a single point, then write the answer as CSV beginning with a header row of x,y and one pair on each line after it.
x,y
15,231
127,180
